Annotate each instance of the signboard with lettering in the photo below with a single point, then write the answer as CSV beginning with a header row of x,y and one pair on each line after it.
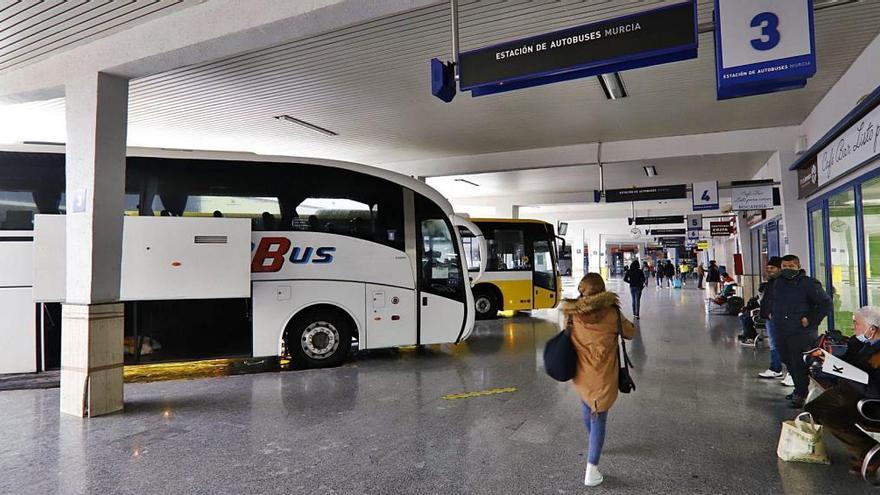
x,y
705,196
659,220
808,180
762,46
858,145
655,193
695,222
658,36
671,241
657,232
703,245
751,195
721,229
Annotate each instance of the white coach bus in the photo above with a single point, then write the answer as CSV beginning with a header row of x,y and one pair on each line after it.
x,y
340,251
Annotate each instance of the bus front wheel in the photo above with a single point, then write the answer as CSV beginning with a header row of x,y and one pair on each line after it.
x,y
319,339
486,305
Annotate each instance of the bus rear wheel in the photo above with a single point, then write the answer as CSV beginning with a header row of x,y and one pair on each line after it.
x,y
319,339
486,305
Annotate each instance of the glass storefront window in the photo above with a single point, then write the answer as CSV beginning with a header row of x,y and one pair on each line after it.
x,y
817,223
844,258
871,216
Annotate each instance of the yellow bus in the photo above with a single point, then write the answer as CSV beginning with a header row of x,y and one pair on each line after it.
x,y
521,273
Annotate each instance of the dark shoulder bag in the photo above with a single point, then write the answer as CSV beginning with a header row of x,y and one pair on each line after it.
x,y
625,382
560,357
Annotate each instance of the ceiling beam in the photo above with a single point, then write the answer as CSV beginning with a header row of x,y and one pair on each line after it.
x,y
195,35
717,143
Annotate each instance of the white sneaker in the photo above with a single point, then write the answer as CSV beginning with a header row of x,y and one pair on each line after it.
x,y
787,381
770,374
593,477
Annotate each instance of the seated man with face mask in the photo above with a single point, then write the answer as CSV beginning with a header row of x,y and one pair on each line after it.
x,y
836,407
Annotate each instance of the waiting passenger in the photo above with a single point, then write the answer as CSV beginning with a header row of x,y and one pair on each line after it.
x,y
835,408
669,273
217,214
701,275
713,279
774,266
268,221
594,318
799,306
635,277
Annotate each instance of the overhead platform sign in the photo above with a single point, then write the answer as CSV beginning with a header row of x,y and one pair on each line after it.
x,y
763,46
653,37
654,193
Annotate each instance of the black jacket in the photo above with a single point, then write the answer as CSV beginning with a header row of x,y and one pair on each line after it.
x,y
635,277
793,299
866,357
669,270
767,299
714,274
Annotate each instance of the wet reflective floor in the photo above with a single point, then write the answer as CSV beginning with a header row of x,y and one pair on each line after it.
x,y
699,422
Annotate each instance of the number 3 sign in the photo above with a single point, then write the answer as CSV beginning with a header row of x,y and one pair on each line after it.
x,y
762,46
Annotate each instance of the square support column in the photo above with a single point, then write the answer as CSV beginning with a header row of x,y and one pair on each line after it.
x,y
92,335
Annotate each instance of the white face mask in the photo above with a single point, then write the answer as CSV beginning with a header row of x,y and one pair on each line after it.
x,y
864,339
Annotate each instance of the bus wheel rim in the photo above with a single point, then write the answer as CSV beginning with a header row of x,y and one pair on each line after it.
x,y
483,304
320,340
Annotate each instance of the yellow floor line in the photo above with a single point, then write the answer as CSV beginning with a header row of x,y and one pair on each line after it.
x,y
481,393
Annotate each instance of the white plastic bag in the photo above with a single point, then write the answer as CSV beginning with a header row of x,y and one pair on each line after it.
x,y
801,441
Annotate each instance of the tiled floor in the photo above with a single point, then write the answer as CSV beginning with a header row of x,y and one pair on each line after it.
x,y
700,422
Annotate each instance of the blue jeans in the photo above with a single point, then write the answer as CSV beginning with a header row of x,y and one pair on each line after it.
x,y
636,293
775,358
595,426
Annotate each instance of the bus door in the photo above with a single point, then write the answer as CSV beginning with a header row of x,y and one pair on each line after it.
x,y
544,275
442,299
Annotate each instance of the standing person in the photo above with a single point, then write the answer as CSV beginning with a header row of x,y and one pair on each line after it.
x,y
647,271
670,273
713,279
635,277
774,268
701,274
799,305
595,317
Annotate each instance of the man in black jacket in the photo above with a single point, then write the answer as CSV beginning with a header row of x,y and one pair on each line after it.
x,y
713,279
798,306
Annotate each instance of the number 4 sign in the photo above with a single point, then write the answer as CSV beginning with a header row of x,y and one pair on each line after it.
x,y
705,196
763,46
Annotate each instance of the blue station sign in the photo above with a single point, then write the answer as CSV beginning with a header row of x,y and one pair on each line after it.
x,y
763,46
658,36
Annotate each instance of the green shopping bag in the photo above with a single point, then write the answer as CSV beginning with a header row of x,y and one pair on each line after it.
x,y
801,441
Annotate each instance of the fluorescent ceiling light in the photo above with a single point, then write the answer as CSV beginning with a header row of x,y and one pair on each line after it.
x,y
612,85
307,125
467,182
650,171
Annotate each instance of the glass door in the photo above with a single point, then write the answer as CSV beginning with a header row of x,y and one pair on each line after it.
x,y
845,273
818,265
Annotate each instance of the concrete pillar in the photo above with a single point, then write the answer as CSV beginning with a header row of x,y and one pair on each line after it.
x,y
92,336
794,211
506,210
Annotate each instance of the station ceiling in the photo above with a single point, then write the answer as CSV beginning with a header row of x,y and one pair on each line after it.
x,y
32,30
370,84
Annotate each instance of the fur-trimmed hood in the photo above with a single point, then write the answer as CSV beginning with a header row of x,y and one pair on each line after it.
x,y
589,305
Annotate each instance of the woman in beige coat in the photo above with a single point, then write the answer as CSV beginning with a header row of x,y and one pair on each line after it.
x,y
593,320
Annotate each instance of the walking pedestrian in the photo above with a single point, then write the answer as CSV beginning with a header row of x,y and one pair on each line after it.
x,y
799,304
635,277
774,266
658,273
647,271
685,270
595,318
669,272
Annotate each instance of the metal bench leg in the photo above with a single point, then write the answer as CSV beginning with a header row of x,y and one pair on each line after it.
x,y
868,458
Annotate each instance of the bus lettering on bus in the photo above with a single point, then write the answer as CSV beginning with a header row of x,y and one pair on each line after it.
x,y
273,250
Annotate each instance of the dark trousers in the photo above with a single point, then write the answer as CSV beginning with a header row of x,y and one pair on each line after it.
x,y
791,347
636,293
835,409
